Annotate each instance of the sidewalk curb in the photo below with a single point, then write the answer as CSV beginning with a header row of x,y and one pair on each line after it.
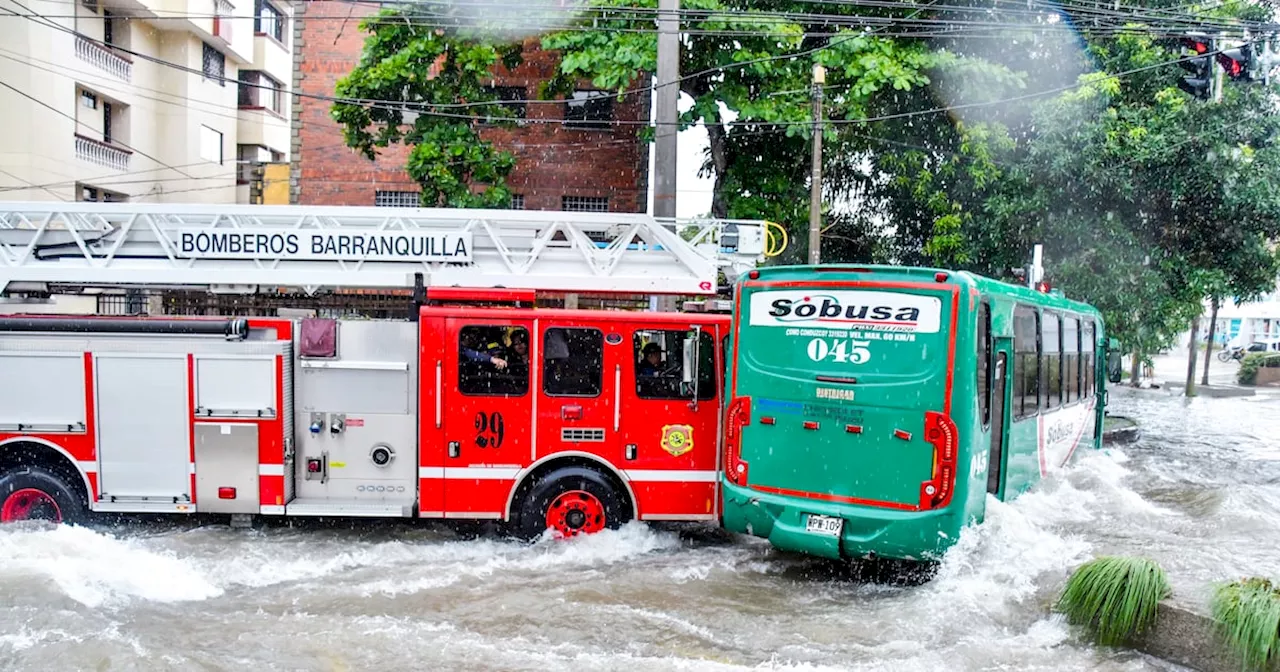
x,y
1186,637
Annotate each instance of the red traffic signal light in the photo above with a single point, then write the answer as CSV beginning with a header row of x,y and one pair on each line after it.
x,y
1200,83
1236,62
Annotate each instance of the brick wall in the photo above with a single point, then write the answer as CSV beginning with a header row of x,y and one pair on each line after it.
x,y
552,161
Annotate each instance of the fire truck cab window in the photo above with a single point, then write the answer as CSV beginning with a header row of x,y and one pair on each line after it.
x,y
572,362
493,361
659,362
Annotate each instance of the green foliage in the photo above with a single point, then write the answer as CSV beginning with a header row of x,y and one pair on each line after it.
x,y
1145,200
1247,613
760,169
1247,374
438,73
1114,597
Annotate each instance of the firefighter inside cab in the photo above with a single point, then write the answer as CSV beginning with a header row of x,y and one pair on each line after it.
x,y
496,359
651,364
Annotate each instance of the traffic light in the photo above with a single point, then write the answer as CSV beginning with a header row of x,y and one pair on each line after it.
x,y
1200,83
1238,63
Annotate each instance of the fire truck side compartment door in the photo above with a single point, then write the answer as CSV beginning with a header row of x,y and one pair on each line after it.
x,y
143,421
226,457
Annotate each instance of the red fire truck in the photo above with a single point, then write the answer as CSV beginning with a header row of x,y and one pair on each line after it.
x,y
476,405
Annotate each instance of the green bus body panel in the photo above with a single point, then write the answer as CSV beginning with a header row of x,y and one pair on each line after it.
x,y
866,459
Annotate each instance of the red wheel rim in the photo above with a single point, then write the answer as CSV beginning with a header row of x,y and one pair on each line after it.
x,y
574,513
30,504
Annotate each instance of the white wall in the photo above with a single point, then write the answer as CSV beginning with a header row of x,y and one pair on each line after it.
x,y
159,111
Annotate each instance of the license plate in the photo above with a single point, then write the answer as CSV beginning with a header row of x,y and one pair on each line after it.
x,y
824,525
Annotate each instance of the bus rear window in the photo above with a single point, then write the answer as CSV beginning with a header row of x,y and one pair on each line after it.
x,y
856,333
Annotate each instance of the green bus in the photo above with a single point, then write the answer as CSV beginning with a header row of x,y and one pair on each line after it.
x,y
873,409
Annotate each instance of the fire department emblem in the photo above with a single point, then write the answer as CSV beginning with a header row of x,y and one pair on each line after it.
x,y
677,439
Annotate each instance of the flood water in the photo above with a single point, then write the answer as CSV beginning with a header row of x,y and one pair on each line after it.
x,y
1199,493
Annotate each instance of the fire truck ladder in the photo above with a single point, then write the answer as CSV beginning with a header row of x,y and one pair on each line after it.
x,y
236,248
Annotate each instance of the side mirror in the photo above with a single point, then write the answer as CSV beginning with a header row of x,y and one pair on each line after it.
x,y
1115,368
689,370
688,360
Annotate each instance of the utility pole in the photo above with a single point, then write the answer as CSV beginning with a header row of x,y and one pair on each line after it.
x,y
668,110
815,184
666,114
1217,80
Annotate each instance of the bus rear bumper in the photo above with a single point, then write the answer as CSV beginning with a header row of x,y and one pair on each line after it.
x,y
867,532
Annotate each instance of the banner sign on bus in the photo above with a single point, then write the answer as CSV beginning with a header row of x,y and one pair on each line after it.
x,y
850,309
314,244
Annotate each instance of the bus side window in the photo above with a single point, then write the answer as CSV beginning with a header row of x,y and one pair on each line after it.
x,y
1026,360
572,362
1052,339
984,363
1089,348
493,361
1071,344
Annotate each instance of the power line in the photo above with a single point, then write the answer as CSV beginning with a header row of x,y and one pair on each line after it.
x,y
404,106
33,99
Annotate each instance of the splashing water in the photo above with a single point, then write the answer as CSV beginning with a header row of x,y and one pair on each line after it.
x,y
1195,496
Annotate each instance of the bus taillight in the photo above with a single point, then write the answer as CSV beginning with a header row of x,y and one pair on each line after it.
x,y
738,416
940,431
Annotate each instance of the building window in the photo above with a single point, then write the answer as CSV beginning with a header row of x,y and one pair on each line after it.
x,y
269,21
106,122
493,361
659,365
395,199
589,110
1026,360
517,201
88,100
210,145
215,65
512,100
585,203
98,195
259,90
572,362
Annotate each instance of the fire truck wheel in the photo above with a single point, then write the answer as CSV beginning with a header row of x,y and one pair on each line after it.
x,y
35,493
571,501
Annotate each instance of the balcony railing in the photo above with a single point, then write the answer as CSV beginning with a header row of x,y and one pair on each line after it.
x,y
104,59
223,19
101,153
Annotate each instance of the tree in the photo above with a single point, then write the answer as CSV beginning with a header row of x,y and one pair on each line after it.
x,y
1146,200
751,59
436,67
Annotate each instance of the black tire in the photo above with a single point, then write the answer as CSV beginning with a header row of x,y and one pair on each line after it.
x,y
71,507
530,519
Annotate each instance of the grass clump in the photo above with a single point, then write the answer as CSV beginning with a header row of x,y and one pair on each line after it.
x,y
1114,597
1247,613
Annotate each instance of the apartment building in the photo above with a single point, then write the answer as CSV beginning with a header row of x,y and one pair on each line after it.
x,y
142,100
571,154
